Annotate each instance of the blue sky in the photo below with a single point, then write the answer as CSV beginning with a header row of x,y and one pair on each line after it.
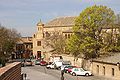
x,y
23,15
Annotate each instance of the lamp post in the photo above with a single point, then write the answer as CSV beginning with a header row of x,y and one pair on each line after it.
x,y
118,65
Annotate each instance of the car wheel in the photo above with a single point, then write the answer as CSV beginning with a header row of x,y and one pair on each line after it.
x,y
47,67
65,71
86,74
74,74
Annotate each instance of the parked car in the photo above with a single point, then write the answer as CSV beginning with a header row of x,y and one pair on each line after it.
x,y
28,62
22,61
80,71
37,62
63,67
50,66
57,64
68,69
43,63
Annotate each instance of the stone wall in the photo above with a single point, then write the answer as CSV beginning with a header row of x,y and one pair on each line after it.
x,y
104,69
11,72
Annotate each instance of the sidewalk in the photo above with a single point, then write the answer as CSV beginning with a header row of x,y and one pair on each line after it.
x,y
36,75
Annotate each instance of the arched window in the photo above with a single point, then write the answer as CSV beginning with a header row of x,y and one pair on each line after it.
x,y
43,35
68,35
65,36
47,34
38,28
34,35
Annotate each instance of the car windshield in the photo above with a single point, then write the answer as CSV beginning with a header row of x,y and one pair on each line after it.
x,y
81,69
28,61
37,60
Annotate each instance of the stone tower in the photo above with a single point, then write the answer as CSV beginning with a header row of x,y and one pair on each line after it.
x,y
40,26
37,41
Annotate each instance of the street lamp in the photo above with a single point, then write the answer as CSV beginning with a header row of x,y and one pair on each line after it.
x,y
118,65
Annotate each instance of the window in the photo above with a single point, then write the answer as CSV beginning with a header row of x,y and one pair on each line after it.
x,y
34,35
65,36
68,35
82,70
103,70
47,34
38,28
98,69
113,73
26,46
43,35
38,43
76,69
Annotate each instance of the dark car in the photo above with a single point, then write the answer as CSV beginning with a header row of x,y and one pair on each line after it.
x,y
43,63
22,62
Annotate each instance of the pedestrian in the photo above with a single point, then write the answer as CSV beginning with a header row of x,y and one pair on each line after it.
x,y
62,74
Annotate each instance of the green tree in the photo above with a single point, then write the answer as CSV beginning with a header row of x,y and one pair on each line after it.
x,y
73,45
8,39
88,27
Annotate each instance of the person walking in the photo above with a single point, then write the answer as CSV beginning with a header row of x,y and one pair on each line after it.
x,y
62,74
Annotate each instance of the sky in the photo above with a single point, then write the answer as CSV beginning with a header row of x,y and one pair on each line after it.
x,y
23,15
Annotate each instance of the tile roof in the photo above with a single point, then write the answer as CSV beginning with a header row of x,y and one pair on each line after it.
x,y
68,31
62,21
113,58
25,40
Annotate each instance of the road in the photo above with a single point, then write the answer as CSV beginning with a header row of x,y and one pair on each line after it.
x,y
38,72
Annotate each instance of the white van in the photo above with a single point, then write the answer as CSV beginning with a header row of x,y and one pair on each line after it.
x,y
54,65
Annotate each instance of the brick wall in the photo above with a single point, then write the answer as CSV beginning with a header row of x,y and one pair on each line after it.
x,y
11,72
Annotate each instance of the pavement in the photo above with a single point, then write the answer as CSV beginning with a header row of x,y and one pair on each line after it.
x,y
36,75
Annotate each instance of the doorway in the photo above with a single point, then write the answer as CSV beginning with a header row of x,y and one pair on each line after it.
x,y
38,54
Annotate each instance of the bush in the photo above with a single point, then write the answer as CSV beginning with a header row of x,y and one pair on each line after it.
x,y
2,62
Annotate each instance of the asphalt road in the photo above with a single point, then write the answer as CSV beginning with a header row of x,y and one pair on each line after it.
x,y
38,72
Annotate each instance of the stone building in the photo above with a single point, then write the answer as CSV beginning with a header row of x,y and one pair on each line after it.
x,y
62,25
23,48
107,66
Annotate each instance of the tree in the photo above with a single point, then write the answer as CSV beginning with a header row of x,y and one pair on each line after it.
x,y
73,45
8,39
111,37
56,41
88,27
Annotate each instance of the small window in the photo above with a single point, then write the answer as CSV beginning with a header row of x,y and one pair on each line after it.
x,y
34,35
38,43
47,34
43,35
68,35
38,28
98,69
113,73
103,70
26,46
65,36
